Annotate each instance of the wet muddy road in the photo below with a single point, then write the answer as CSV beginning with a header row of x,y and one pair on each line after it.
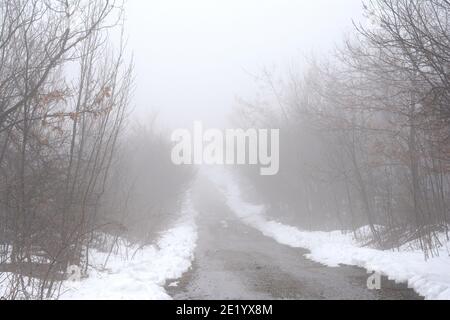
x,y
235,261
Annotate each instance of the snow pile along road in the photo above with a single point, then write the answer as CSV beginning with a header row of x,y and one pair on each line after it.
x,y
430,279
145,272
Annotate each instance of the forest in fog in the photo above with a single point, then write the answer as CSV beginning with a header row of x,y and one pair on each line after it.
x,y
364,138
365,135
67,179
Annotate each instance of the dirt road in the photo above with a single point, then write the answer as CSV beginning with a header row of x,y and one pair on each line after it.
x,y
234,261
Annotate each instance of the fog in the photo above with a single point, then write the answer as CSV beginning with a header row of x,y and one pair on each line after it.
x,y
238,149
193,58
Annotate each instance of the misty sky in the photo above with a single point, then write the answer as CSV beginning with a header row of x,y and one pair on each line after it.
x,y
194,57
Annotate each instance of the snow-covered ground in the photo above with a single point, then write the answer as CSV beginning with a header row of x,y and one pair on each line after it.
x,y
430,279
143,274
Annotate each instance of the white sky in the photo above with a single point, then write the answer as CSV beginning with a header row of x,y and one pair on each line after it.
x,y
192,57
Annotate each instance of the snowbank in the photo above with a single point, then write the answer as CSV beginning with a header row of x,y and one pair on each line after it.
x,y
430,279
145,273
